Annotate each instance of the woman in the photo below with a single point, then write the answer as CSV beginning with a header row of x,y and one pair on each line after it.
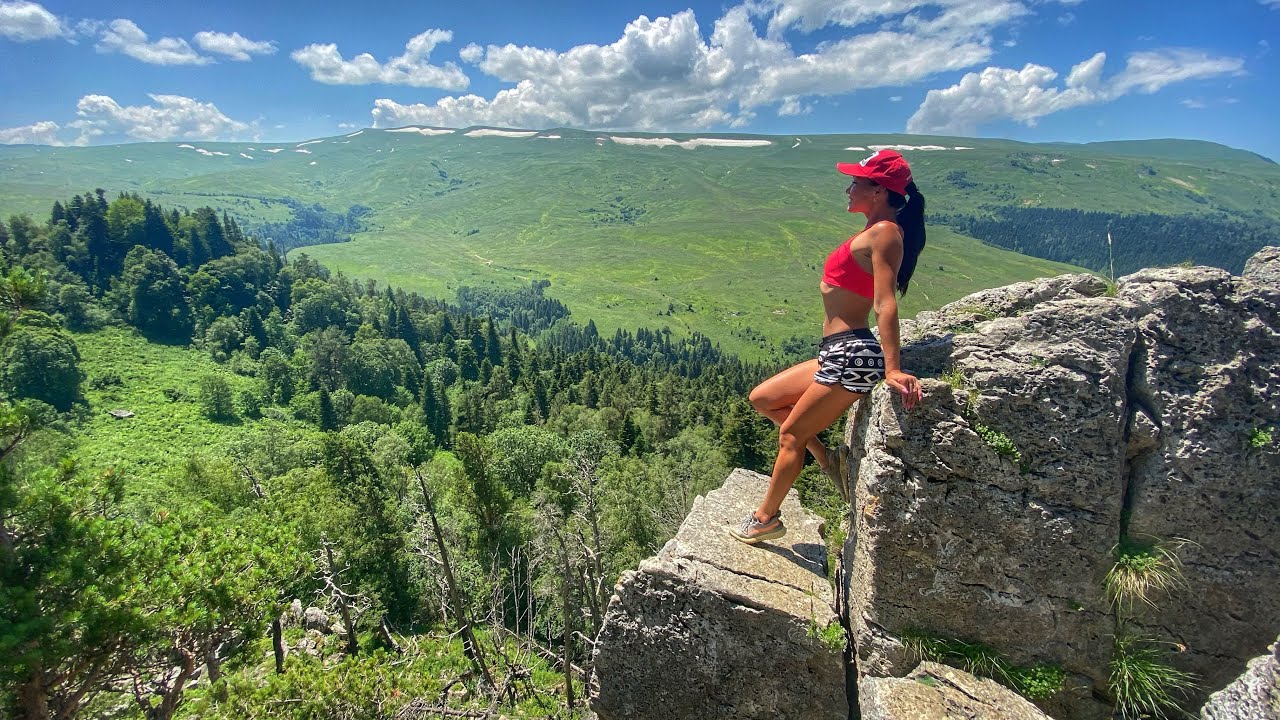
x,y
860,276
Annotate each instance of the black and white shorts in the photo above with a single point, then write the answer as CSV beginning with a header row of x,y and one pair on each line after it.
x,y
852,358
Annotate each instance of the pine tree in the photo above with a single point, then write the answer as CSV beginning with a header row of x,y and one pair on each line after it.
x,y
328,418
492,348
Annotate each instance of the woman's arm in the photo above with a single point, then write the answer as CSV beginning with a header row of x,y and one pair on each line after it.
x,y
886,258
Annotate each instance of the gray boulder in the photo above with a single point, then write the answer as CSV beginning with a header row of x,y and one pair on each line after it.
x,y
712,628
1264,266
313,618
938,692
1255,695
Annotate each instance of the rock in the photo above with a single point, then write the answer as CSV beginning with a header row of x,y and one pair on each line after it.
x,y
990,512
712,628
1255,695
1206,369
953,537
312,643
295,612
927,339
316,619
1264,266
938,692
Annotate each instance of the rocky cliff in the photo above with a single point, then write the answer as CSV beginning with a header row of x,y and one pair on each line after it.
x,y
1094,472
1067,428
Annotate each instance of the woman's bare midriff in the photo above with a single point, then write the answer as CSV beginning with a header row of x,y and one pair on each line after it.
x,y
845,310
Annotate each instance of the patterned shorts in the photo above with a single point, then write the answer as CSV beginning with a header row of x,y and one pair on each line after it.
x,y
852,358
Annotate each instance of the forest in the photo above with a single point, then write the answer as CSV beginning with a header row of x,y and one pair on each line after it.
x,y
1137,240
448,491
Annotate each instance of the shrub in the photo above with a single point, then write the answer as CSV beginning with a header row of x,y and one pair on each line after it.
x,y
1003,445
1259,438
41,361
215,397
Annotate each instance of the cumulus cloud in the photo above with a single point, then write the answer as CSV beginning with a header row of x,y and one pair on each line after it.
x,y
662,74
172,117
1028,94
41,133
412,68
234,46
123,36
27,21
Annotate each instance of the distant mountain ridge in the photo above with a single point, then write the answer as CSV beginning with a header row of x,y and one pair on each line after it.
x,y
669,229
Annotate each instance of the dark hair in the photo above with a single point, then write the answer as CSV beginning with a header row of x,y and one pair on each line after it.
x,y
911,220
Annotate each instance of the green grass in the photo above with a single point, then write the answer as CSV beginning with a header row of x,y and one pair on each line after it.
x,y
151,448
1035,682
1143,684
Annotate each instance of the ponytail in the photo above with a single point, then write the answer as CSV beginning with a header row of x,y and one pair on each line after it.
x,y
910,211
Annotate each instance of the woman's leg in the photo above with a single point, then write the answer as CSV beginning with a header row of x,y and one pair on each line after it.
x,y
817,408
774,398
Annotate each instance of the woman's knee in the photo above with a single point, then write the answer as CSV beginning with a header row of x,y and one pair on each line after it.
x,y
761,399
788,440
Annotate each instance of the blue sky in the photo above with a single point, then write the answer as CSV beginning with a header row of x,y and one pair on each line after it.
x,y
1036,70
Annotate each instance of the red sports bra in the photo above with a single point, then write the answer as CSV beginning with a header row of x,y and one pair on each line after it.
x,y
843,271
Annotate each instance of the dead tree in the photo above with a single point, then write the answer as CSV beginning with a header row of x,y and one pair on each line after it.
x,y
277,643
469,644
350,605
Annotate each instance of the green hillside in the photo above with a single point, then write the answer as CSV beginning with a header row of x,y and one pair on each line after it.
x,y
727,241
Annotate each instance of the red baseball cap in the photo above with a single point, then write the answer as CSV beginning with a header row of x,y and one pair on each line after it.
x,y
886,167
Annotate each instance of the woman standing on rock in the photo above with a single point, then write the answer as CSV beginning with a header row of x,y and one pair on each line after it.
x,y
861,275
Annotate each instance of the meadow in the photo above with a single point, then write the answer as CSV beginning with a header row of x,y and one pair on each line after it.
x,y
726,241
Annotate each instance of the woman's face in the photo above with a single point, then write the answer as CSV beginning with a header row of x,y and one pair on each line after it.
x,y
862,195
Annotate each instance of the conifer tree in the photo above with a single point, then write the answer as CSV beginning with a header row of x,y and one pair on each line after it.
x,y
328,418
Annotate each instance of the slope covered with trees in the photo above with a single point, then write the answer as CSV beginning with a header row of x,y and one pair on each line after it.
x,y
458,495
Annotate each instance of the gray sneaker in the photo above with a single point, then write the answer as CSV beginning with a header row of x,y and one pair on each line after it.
x,y
752,531
837,469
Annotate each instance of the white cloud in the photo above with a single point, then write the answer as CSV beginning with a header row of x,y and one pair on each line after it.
x,y
26,21
412,68
1147,72
792,106
41,133
124,36
810,15
1193,104
1273,4
1028,94
662,74
171,117
234,46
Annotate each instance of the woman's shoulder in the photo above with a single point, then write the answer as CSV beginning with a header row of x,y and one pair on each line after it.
x,y
883,230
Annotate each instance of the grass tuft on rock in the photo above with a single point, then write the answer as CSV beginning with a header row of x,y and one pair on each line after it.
x,y
1142,570
1142,683
1036,682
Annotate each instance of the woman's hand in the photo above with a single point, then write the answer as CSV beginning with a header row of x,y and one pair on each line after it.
x,y
906,384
